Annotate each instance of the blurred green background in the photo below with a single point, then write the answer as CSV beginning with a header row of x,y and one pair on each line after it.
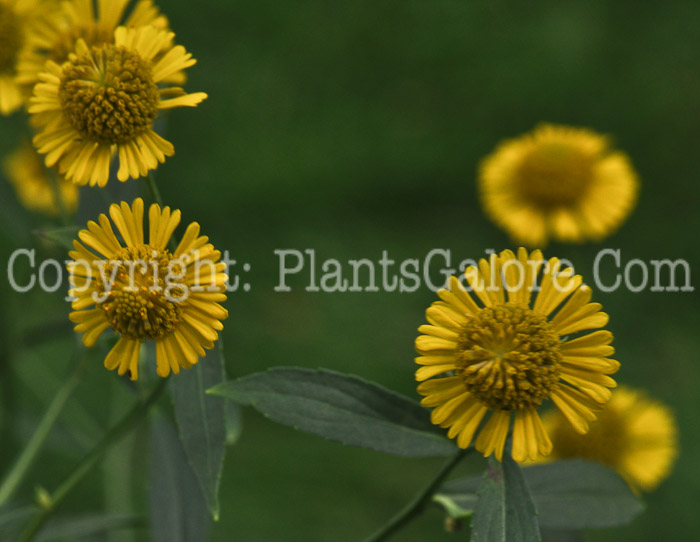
x,y
356,127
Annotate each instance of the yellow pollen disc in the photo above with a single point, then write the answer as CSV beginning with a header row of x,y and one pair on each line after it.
x,y
508,357
10,38
109,95
137,303
555,174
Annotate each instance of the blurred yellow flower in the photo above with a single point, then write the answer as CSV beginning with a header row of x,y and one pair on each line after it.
x,y
504,353
103,102
557,183
55,39
17,18
144,292
635,435
30,179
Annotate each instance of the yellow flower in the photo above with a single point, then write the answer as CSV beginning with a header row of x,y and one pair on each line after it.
x,y
557,182
634,435
17,17
34,188
504,353
144,292
103,102
72,20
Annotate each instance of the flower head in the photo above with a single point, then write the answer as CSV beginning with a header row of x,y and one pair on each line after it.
x,y
103,101
143,291
17,18
634,435
507,351
557,182
33,185
72,20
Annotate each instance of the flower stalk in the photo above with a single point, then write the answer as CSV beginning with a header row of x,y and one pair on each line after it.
x,y
26,459
128,422
157,198
60,201
420,502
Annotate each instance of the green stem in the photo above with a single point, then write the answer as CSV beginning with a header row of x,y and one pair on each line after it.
x,y
416,507
133,417
155,195
104,196
8,379
153,189
28,455
58,196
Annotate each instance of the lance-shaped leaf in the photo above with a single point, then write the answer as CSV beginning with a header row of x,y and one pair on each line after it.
x,y
579,494
13,519
201,422
571,494
340,407
178,510
87,527
504,511
557,535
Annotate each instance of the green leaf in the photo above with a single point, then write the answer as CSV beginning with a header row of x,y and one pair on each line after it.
x,y
458,496
13,519
340,407
457,506
572,494
579,494
504,511
556,535
77,528
201,422
179,512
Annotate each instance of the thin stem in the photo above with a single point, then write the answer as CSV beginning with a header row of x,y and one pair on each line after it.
x,y
8,389
153,188
29,454
58,196
104,196
155,195
133,417
416,507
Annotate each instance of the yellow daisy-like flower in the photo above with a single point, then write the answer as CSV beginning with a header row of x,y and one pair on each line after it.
x,y
145,292
635,435
103,102
504,353
17,18
557,182
30,179
72,20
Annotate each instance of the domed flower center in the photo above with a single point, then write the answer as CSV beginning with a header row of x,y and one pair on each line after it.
x,y
142,301
605,442
109,95
555,174
508,357
10,38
